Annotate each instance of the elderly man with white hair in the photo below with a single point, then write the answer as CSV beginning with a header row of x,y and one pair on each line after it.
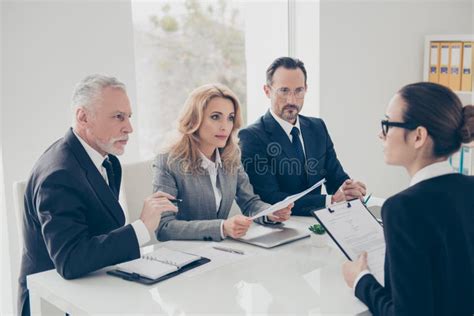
x,y
73,222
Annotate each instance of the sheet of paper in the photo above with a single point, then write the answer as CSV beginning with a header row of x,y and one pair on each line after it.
x,y
287,201
170,256
356,230
147,268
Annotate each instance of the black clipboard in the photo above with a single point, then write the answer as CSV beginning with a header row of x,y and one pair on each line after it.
x,y
134,277
333,208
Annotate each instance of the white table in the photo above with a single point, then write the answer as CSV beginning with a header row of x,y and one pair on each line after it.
x,y
300,278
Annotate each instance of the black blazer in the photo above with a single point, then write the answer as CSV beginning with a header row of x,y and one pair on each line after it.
x,y
72,220
429,262
270,161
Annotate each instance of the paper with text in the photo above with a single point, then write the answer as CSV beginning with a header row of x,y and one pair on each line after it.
x,y
356,230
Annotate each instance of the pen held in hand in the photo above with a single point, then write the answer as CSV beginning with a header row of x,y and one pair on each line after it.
x,y
368,198
176,202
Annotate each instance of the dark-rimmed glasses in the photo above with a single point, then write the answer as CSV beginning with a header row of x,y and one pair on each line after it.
x,y
386,124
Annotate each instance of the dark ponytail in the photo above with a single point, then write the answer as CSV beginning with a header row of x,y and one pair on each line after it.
x,y
467,129
440,111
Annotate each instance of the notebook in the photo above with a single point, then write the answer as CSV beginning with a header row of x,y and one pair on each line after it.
x,y
157,265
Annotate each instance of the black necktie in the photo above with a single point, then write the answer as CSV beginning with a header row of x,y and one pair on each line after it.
x,y
110,175
295,132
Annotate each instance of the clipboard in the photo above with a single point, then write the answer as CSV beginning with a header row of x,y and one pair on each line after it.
x,y
135,277
354,229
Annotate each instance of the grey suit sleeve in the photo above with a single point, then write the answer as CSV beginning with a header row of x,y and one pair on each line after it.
x,y
249,202
171,227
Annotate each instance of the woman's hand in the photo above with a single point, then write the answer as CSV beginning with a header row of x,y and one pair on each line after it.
x,y
281,215
351,269
236,226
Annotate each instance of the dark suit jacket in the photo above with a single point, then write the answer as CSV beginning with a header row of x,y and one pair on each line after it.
x,y
72,220
429,262
270,161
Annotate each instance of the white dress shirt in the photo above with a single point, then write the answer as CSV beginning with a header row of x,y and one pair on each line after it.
x,y
211,168
287,127
143,236
436,169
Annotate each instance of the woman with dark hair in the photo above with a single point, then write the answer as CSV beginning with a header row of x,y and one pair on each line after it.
x,y
429,227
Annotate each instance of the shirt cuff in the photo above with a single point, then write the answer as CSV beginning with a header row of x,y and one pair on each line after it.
x,y
268,221
143,235
222,230
359,276
328,200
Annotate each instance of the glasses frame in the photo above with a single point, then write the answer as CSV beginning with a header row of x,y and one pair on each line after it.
x,y
386,124
280,93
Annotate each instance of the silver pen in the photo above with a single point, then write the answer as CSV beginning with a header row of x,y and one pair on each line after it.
x,y
240,252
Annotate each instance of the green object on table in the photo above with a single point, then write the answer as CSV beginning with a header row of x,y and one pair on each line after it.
x,y
317,229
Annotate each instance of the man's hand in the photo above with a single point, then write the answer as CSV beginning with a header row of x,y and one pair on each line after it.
x,y
236,226
153,206
353,189
281,215
349,190
351,269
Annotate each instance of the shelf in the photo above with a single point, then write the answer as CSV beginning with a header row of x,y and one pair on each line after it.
x,y
467,97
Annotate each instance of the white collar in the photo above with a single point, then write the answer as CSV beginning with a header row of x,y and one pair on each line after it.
x,y
434,170
95,156
206,163
287,127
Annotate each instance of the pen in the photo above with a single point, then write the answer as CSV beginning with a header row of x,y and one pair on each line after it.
x,y
368,198
176,201
240,252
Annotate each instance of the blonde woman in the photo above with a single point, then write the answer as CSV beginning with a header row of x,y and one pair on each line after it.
x,y
203,169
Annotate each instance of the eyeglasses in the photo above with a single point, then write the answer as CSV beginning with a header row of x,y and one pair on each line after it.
x,y
386,125
286,92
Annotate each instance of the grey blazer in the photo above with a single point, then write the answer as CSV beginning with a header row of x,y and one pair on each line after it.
x,y
197,217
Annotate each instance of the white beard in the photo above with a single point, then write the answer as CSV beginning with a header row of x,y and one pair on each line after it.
x,y
108,147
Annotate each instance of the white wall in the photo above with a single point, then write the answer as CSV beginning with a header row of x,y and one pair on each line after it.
x,y
47,48
5,291
267,39
370,49
307,49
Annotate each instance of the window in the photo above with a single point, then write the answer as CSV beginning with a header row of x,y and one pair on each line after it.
x,y
180,45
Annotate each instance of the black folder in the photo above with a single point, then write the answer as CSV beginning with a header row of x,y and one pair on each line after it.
x,y
144,280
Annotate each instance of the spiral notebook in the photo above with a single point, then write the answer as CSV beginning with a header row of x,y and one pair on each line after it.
x,y
158,265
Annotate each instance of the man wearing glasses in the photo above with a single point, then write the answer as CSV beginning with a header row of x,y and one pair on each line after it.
x,y
284,152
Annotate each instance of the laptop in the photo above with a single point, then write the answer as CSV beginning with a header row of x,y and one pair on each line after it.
x,y
275,235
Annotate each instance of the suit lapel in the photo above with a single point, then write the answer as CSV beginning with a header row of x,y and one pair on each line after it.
x,y
278,135
95,178
310,140
208,197
224,184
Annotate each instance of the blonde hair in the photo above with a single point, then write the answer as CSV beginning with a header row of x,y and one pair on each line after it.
x,y
185,150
